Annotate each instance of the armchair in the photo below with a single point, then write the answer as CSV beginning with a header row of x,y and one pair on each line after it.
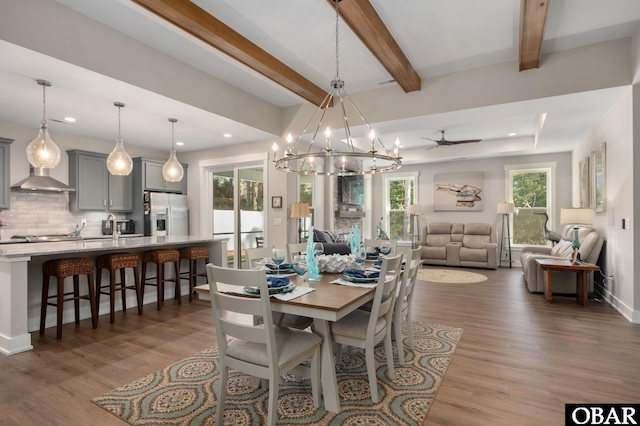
x,y
563,282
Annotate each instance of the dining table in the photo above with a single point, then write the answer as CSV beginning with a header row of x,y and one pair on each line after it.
x,y
328,302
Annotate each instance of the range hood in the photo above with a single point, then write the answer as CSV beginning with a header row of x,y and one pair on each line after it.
x,y
39,180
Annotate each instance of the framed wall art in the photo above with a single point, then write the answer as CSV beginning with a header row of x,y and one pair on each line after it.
x,y
458,191
276,202
585,184
599,178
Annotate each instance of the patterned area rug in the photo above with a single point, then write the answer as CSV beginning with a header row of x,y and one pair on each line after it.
x,y
450,276
182,394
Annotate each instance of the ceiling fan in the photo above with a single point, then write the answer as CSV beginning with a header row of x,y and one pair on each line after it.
x,y
443,142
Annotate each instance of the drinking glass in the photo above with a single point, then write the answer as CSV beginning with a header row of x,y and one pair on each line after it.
x,y
385,247
318,249
277,255
361,256
300,264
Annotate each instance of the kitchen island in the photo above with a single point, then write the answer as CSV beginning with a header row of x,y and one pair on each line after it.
x,y
21,278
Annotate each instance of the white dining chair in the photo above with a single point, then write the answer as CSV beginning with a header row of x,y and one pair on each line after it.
x,y
364,329
295,248
287,320
266,351
404,299
371,244
257,254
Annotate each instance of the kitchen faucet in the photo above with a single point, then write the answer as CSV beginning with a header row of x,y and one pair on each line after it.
x,y
114,226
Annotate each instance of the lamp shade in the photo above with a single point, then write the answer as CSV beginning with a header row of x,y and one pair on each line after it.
x,y
415,209
506,208
576,216
299,210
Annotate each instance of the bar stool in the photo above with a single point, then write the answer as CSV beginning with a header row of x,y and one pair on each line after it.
x,y
160,257
61,269
114,262
192,254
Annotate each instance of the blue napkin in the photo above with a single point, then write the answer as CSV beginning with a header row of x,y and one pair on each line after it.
x,y
358,273
378,264
372,255
282,266
275,282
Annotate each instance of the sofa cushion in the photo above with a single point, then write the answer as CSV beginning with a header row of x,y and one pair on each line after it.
x,y
432,252
477,229
438,240
562,249
476,241
439,228
321,236
473,254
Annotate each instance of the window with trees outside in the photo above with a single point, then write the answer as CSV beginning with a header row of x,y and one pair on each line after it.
x,y
532,192
306,196
400,192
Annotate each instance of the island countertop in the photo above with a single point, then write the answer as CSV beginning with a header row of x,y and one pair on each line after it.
x,y
101,244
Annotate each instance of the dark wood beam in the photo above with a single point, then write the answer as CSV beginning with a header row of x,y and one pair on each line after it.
x,y
200,24
367,25
533,18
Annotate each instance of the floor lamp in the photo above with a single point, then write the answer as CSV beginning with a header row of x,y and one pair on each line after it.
x,y
299,211
505,209
414,210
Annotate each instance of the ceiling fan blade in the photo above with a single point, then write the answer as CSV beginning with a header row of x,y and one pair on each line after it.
x,y
434,140
464,141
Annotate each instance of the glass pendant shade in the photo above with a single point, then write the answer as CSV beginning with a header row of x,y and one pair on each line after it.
x,y
172,171
42,152
119,162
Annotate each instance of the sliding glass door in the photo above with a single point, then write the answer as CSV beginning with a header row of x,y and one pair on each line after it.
x,y
238,209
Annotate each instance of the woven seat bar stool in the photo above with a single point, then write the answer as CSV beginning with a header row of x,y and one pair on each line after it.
x,y
192,254
61,269
114,262
160,257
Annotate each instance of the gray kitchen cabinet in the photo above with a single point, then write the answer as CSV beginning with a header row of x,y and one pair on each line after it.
x,y
5,161
152,179
96,188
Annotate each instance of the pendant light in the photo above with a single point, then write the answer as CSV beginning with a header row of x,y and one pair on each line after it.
x,y
119,162
42,152
172,170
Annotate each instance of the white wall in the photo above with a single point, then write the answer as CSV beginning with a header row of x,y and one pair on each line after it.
x,y
617,130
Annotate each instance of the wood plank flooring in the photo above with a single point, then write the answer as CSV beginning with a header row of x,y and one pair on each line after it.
x,y
519,360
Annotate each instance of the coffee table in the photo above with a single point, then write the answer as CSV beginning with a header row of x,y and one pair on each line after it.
x,y
582,271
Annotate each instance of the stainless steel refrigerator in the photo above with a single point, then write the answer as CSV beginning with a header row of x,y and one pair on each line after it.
x,y
165,214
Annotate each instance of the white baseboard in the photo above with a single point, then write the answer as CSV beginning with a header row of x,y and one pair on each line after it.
x,y
629,314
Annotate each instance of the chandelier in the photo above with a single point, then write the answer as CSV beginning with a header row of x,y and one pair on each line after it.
x,y
320,157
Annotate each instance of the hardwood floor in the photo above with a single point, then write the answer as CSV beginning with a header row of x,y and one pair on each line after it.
x,y
519,360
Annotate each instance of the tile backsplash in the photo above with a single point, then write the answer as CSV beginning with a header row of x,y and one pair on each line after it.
x,y
38,213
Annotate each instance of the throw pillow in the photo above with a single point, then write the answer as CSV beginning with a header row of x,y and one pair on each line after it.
x,y
321,236
563,249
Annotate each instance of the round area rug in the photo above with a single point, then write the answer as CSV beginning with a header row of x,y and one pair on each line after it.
x,y
450,276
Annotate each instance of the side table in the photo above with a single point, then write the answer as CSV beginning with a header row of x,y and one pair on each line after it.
x,y
582,271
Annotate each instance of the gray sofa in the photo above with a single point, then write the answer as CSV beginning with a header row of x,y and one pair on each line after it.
x,y
563,282
459,244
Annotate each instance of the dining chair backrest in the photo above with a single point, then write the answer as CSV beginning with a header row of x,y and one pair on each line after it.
x,y
384,298
259,242
225,303
370,244
295,248
254,254
404,299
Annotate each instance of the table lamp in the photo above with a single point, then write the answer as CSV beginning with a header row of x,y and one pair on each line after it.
x,y
298,211
505,209
414,210
576,216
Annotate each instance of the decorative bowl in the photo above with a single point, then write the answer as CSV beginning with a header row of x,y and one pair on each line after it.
x,y
335,263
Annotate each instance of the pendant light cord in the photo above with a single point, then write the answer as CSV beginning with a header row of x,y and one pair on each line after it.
x,y
44,105
173,138
337,44
119,132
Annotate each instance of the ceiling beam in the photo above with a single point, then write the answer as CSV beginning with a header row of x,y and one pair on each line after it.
x,y
533,18
367,25
200,24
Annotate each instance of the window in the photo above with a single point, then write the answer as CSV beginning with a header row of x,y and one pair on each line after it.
x,y
305,192
531,189
400,192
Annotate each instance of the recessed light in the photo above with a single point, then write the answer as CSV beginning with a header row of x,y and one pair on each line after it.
x,y
70,119
512,134
227,135
179,143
